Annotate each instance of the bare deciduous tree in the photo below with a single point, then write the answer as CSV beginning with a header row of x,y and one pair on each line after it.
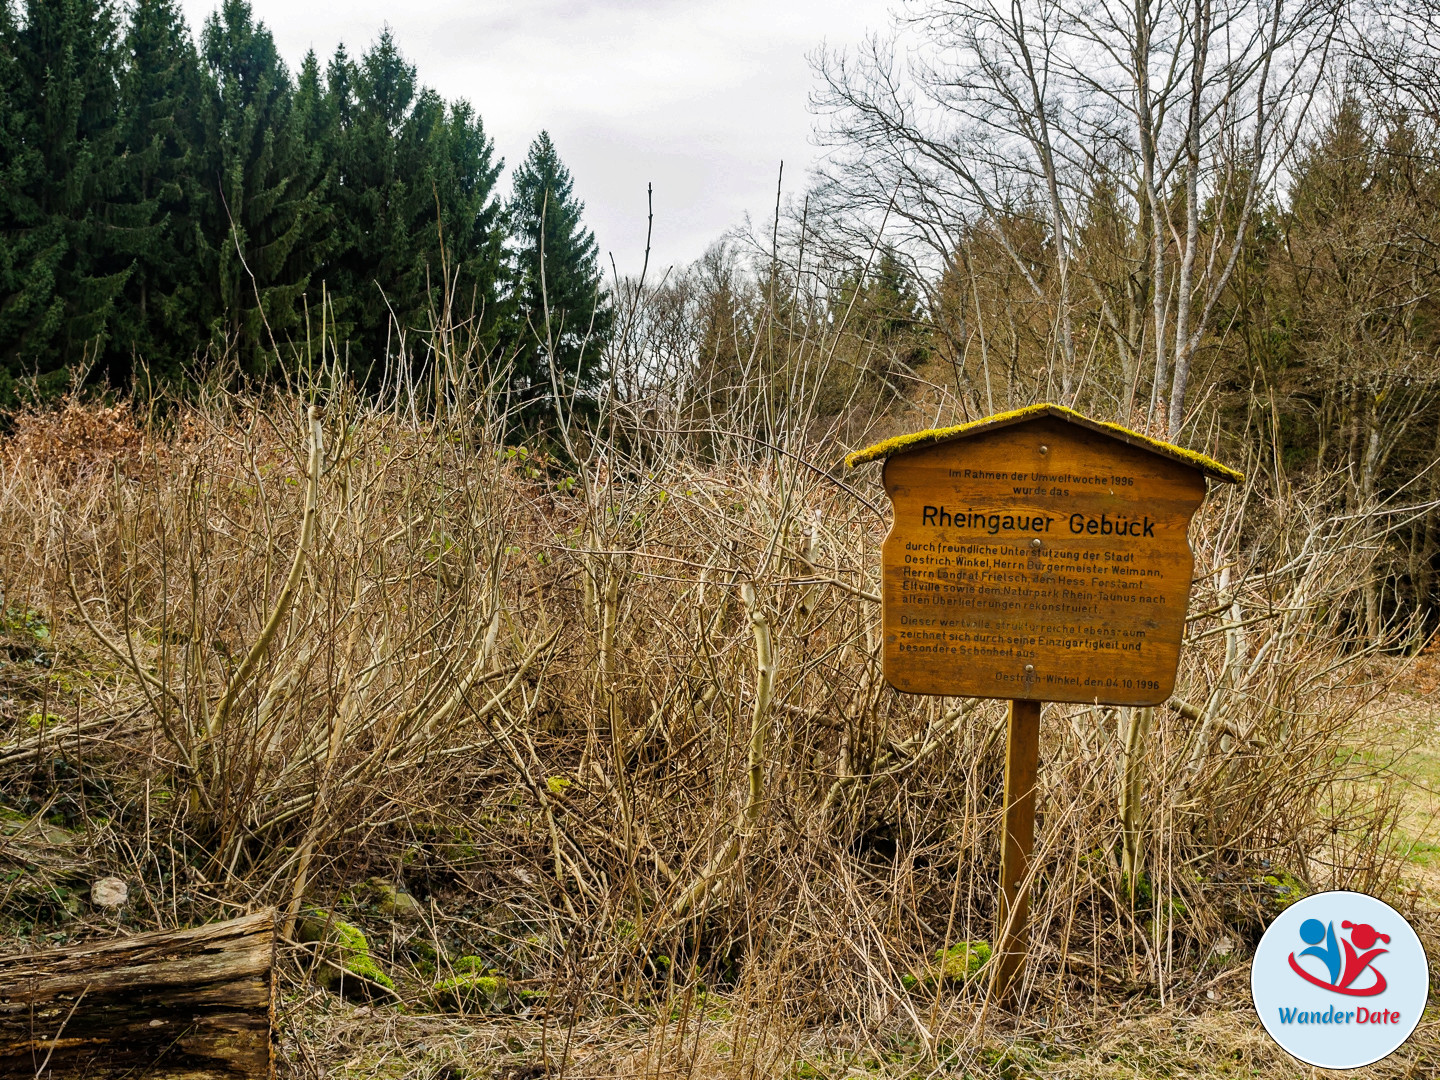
x,y
1011,117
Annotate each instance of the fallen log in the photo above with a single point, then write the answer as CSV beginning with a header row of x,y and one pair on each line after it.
x,y
182,1005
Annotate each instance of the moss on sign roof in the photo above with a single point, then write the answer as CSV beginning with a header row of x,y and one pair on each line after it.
x,y
916,440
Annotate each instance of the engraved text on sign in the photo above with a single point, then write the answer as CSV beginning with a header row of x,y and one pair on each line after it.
x,y
1041,561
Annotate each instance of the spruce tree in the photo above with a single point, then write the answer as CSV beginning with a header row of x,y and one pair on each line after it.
x,y
414,207
464,170
60,268
157,202
890,317
373,196
562,317
264,224
160,322
318,124
315,115
17,162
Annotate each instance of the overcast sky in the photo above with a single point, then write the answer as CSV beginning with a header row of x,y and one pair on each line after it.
x,y
703,98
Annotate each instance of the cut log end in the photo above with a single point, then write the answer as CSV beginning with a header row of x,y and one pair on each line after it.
x,y
196,1004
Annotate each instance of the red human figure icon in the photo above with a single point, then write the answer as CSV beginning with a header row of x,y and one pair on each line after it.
x,y
1364,936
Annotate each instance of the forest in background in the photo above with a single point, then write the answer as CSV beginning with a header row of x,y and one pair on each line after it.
x,y
174,211
1216,223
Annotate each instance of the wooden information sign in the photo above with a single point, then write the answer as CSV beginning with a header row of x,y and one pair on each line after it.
x,y
1038,556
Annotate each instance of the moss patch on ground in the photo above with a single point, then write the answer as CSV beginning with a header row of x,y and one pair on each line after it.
x,y
344,950
953,966
473,986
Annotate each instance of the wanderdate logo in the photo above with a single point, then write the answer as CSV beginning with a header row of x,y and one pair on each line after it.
x,y
1319,956
1343,971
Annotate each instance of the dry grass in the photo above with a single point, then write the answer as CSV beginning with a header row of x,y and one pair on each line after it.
x,y
619,725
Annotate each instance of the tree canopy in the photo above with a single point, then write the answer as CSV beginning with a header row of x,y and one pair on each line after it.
x,y
169,204
561,308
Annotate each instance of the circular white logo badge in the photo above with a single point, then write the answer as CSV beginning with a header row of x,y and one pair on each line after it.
x,y
1340,980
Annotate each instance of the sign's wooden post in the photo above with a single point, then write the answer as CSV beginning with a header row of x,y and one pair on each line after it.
x,y
1022,761
1037,555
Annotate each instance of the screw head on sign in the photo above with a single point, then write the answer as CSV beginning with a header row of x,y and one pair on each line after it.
x,y
1044,449
1035,542
1029,669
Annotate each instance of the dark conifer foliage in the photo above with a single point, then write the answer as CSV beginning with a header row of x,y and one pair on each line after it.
x,y
61,263
264,233
16,164
159,318
562,311
413,196
166,207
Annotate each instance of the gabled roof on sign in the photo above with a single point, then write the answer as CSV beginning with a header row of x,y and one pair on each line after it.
x,y
901,444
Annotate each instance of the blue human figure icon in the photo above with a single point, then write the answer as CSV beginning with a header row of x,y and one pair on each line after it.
x,y
1312,932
